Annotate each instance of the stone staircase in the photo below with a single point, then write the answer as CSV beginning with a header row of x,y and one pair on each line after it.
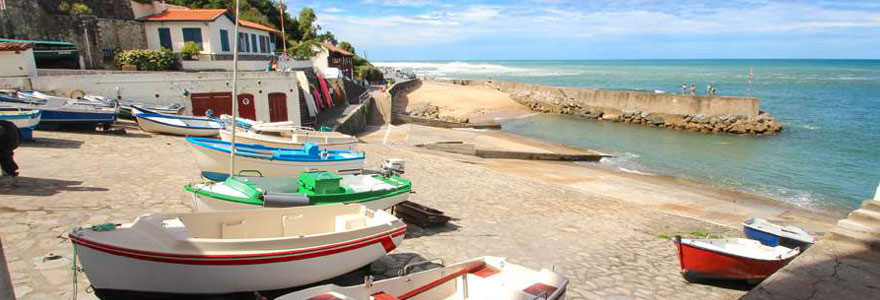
x,y
862,226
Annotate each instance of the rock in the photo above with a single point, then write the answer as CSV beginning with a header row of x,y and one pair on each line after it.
x,y
655,119
611,115
761,127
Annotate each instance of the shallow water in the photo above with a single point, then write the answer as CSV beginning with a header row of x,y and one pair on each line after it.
x,y
827,156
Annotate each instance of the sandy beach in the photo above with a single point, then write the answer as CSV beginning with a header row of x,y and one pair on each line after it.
x,y
476,103
606,230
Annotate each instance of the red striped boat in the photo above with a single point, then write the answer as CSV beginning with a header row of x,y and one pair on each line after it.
x,y
228,252
734,258
482,278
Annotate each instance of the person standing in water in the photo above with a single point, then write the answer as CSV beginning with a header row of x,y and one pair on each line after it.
x,y
693,89
684,88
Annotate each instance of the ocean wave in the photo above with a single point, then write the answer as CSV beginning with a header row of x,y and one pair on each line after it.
x,y
446,69
808,127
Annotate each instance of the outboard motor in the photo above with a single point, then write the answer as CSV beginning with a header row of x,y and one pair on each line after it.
x,y
393,166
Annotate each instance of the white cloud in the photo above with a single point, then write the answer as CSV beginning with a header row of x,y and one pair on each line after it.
x,y
333,10
447,25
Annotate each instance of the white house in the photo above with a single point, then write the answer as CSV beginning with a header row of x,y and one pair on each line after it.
x,y
213,30
17,59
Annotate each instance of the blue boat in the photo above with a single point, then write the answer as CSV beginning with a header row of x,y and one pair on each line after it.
x,y
25,119
776,235
212,156
58,111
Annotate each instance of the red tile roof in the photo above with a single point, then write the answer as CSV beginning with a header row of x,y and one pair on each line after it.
x,y
257,26
14,46
201,15
332,48
186,15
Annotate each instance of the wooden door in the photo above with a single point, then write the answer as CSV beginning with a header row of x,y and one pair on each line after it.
x,y
246,105
220,103
277,107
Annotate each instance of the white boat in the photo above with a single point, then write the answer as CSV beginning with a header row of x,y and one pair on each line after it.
x,y
773,234
25,119
58,111
481,278
178,125
240,251
127,107
212,156
284,135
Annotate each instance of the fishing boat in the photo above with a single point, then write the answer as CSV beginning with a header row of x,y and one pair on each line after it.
x,y
733,258
774,235
481,278
57,111
126,106
284,135
228,252
25,119
212,156
316,187
178,125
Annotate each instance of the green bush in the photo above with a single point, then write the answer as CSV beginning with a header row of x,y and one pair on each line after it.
x,y
147,60
369,73
190,51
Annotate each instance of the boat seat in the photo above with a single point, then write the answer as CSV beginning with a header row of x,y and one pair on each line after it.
x,y
350,221
234,230
292,225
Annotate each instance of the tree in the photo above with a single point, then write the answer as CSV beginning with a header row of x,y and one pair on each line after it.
x,y
307,20
347,47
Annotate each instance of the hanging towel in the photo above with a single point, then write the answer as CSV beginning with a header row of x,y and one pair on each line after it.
x,y
325,91
303,82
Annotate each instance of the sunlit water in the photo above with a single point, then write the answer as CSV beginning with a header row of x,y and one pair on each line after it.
x,y
827,156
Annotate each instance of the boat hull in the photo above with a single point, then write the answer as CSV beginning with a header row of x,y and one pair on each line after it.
x,y
145,272
279,142
26,122
204,203
699,263
215,165
53,117
150,125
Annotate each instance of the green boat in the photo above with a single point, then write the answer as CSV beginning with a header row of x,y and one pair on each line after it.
x,y
310,188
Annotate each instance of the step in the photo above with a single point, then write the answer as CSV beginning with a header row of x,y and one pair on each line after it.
x,y
857,226
866,217
871,205
840,234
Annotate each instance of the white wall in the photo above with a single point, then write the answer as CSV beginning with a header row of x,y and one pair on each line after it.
x,y
210,34
18,63
170,87
206,65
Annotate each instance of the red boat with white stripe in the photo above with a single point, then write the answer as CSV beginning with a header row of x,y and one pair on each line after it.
x,y
481,278
734,258
226,252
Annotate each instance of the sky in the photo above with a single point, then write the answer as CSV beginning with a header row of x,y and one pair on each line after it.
x,y
411,30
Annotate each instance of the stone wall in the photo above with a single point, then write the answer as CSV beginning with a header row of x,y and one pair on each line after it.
x,y
357,120
111,26
707,114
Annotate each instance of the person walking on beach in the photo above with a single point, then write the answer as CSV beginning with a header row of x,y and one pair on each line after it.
x,y
10,138
693,89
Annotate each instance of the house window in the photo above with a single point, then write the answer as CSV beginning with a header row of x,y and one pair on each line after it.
x,y
193,35
242,42
263,47
165,38
254,43
224,40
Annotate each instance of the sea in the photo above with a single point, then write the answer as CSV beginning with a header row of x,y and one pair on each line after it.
x,y
827,156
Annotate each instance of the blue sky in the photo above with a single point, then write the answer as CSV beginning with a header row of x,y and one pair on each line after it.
x,y
406,30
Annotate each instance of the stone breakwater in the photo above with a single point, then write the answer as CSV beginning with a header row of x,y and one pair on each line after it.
x,y
706,114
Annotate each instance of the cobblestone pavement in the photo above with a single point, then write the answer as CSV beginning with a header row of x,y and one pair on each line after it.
x,y
608,248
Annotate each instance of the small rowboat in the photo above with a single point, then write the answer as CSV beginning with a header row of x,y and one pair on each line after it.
x,y
734,258
774,235
25,119
57,112
228,252
212,156
126,107
376,192
482,278
178,125
284,135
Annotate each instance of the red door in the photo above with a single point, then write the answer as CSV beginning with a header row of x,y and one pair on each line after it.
x,y
246,105
277,107
220,103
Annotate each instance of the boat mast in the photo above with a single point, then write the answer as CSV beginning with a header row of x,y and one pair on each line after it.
x,y
234,93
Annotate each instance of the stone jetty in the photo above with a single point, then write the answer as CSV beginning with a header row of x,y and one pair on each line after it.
x,y
694,113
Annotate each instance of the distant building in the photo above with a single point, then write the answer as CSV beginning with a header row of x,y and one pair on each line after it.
x,y
331,56
212,30
17,59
